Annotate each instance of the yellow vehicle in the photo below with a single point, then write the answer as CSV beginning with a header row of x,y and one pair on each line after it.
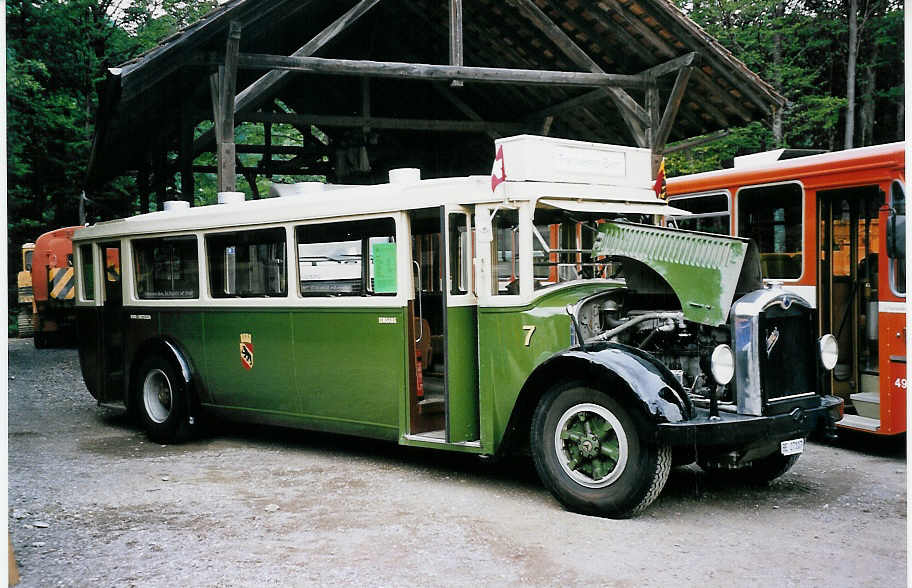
x,y
26,319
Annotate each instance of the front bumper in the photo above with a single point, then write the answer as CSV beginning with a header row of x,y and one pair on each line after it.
x,y
734,429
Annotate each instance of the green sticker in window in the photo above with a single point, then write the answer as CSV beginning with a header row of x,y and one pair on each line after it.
x,y
384,257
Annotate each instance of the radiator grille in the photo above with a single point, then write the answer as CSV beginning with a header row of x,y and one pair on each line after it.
x,y
787,352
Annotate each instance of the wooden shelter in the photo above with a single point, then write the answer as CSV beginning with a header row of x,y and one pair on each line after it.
x,y
421,83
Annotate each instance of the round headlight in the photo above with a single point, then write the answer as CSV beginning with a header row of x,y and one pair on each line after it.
x,y
829,351
722,364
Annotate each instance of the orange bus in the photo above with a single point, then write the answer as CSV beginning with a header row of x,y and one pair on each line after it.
x,y
829,227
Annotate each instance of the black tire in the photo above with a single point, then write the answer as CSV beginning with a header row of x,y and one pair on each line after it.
x,y
26,324
579,473
159,397
758,472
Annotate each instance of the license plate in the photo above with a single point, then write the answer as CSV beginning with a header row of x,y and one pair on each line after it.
x,y
792,446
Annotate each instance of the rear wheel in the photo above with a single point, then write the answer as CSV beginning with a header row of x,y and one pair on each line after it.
x,y
26,323
591,453
160,399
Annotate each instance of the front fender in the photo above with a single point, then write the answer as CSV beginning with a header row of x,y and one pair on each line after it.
x,y
652,385
631,375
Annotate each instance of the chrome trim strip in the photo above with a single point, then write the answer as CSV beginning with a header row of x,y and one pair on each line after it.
x,y
802,395
891,307
441,441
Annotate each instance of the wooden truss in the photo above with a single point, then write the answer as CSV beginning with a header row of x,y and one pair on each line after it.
x,y
648,123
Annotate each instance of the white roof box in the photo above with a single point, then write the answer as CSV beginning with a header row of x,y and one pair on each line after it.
x,y
530,158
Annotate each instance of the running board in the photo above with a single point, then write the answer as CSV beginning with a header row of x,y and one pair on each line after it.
x,y
854,421
440,441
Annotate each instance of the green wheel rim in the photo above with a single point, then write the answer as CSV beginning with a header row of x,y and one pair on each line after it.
x,y
591,445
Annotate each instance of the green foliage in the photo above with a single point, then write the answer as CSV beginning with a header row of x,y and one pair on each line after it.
x,y
809,70
56,55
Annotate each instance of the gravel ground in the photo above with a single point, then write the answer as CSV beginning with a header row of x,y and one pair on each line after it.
x,y
93,502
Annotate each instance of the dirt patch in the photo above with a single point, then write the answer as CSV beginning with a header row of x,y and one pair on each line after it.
x,y
93,502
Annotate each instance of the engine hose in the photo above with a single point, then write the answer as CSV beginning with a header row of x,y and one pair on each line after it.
x,y
634,321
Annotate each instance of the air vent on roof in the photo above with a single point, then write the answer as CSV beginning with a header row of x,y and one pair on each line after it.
x,y
176,205
405,175
231,197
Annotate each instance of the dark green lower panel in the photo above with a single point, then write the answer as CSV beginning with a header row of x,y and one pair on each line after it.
x,y
462,373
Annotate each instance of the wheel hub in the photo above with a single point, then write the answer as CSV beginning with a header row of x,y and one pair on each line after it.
x,y
591,445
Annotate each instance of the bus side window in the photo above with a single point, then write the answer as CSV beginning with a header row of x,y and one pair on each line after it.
x,y
331,258
88,272
166,268
898,257
505,253
772,217
710,213
247,264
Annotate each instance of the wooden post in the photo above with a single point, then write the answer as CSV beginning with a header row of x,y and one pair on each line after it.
x,y
227,179
142,184
456,45
655,119
186,149
159,185
266,162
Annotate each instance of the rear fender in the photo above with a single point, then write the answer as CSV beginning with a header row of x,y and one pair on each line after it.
x,y
174,352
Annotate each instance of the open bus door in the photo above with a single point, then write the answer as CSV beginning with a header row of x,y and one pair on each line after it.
x,y
112,336
848,292
444,382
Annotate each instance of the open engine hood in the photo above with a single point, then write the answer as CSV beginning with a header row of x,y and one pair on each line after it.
x,y
705,271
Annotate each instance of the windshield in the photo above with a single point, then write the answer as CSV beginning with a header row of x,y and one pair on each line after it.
x,y
562,243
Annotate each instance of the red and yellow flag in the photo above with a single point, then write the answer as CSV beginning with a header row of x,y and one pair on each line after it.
x,y
659,185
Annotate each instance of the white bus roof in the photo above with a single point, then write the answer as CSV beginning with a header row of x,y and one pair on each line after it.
x,y
595,178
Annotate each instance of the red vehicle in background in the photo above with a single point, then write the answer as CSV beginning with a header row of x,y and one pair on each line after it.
x,y
53,287
829,227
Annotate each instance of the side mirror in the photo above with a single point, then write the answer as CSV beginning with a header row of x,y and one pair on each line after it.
x,y
896,236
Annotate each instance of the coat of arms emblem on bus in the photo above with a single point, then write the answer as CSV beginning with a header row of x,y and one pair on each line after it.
x,y
247,351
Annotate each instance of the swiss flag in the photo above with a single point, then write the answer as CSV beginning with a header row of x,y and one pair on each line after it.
x,y
498,172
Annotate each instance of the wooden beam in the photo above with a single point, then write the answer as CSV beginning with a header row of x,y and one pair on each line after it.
x,y
275,149
276,167
268,84
672,65
186,129
255,92
621,99
671,108
400,124
463,107
696,142
655,119
456,47
724,65
424,71
712,89
658,44
546,125
573,103
227,177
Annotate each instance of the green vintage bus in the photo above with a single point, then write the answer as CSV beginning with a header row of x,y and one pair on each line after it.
x,y
539,307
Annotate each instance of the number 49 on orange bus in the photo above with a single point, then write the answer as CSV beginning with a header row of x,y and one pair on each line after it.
x,y
830,227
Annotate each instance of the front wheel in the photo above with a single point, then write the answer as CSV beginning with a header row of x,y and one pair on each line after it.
x,y
592,453
159,396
